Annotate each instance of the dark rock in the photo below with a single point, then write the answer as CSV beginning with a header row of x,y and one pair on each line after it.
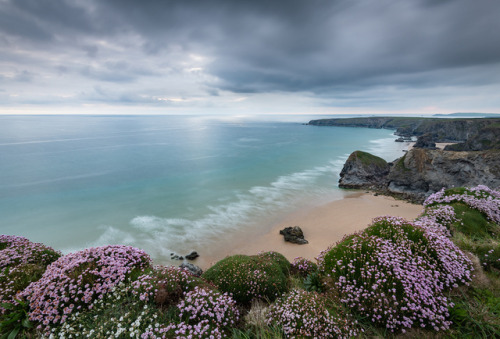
x,y
364,170
176,257
294,235
193,255
487,138
193,269
400,139
421,172
425,141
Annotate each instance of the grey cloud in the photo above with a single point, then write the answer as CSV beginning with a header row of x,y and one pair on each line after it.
x,y
322,47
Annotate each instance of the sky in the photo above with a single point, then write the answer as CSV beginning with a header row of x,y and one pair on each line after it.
x,y
249,57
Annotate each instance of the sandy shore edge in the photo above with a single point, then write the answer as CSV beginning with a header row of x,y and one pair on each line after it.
x,y
322,227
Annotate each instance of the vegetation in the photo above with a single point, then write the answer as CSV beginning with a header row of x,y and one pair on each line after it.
x,y
249,277
368,159
437,276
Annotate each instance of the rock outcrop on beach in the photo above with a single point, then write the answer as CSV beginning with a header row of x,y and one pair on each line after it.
x,y
364,170
421,172
294,235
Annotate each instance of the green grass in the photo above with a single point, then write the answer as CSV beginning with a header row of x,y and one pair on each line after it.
x,y
368,159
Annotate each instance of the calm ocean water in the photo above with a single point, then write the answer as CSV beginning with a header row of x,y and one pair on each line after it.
x,y
166,183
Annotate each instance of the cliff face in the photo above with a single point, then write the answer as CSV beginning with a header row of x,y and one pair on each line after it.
x,y
442,130
487,138
422,172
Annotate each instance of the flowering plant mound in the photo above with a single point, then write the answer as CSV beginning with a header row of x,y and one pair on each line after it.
x,y
200,304
439,217
75,280
305,314
303,267
395,272
248,277
21,262
438,251
202,330
119,314
480,197
165,285
277,258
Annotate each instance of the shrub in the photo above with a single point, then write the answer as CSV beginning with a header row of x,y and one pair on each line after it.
x,y
303,267
277,258
21,262
248,277
165,285
75,280
305,314
395,272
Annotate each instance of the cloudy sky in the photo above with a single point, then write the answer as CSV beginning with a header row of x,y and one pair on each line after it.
x,y
244,57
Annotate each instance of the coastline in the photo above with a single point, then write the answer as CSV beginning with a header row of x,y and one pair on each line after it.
x,y
322,226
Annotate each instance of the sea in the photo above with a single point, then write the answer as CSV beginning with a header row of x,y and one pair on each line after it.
x,y
168,184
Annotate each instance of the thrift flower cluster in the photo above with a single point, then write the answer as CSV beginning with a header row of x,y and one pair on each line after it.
x,y
304,314
303,267
75,280
480,197
395,272
203,313
124,316
21,261
439,217
165,285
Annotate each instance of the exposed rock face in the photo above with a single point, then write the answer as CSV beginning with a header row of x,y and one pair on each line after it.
x,y
487,138
193,269
294,235
442,130
364,170
425,141
422,172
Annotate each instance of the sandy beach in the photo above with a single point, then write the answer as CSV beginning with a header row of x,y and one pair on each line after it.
x,y
322,227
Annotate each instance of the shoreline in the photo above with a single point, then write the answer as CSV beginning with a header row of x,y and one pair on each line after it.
x,y
323,226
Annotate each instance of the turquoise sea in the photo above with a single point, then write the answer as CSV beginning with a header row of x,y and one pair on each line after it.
x,y
167,183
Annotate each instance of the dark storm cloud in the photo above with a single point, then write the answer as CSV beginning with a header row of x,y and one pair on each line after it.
x,y
261,46
317,46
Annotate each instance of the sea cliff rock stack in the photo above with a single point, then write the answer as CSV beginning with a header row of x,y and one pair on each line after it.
x,y
425,170
364,170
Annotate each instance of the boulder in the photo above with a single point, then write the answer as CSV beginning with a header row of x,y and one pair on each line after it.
x,y
294,235
193,269
193,255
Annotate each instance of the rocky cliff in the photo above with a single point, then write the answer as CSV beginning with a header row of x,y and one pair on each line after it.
x,y
442,130
422,172
364,170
